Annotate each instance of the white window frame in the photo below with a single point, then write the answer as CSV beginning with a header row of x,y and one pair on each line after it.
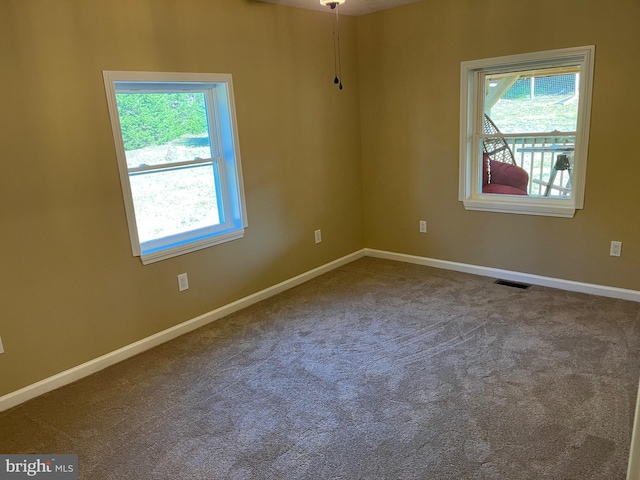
x,y
223,133
472,110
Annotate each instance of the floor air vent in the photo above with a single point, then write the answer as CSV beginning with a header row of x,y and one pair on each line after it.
x,y
507,283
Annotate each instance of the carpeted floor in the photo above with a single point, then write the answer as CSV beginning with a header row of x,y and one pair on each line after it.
x,y
376,370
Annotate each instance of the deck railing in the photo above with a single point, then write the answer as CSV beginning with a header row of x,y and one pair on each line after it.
x,y
538,156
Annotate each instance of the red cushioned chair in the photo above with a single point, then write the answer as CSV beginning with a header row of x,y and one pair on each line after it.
x,y
500,174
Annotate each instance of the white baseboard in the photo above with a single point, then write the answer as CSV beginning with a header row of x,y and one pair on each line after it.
x,y
570,285
76,373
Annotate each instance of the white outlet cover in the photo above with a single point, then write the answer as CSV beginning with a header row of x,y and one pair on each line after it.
x,y
1,347
616,249
183,282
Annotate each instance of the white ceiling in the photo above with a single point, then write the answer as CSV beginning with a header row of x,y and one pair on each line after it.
x,y
349,7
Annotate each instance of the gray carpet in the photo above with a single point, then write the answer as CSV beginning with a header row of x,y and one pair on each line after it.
x,y
376,370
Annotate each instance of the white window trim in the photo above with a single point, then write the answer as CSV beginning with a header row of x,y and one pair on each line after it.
x,y
469,191
235,210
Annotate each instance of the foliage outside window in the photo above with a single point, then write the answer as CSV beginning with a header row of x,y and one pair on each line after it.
x,y
524,129
179,160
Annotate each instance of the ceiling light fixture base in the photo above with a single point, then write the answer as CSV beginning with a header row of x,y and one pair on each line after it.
x,y
332,3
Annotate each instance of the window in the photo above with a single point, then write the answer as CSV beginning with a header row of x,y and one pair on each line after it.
x,y
524,130
177,147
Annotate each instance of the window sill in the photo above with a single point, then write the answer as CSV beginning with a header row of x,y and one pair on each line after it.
x,y
523,206
191,246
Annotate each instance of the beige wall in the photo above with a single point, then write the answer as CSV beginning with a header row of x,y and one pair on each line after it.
x,y
70,288
312,157
409,68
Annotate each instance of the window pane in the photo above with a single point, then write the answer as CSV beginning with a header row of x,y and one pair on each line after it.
x,y
532,102
175,201
163,127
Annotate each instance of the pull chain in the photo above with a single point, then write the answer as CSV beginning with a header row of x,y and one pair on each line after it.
x,y
337,62
338,78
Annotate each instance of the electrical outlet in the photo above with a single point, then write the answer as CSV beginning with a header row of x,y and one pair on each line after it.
x,y
183,282
1,347
616,249
318,234
423,226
